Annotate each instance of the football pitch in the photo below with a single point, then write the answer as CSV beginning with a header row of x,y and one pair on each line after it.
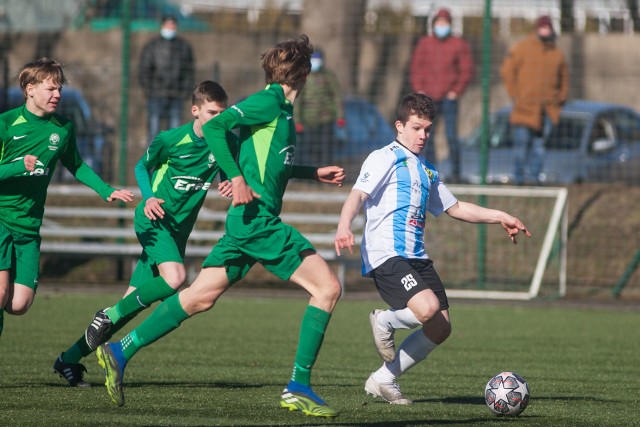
x,y
228,366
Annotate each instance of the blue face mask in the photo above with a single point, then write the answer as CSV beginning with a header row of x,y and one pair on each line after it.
x,y
316,64
168,34
442,31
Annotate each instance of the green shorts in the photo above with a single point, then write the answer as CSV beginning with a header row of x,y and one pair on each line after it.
x,y
20,254
279,247
158,245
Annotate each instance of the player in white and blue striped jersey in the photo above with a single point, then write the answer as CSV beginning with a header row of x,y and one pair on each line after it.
x,y
398,187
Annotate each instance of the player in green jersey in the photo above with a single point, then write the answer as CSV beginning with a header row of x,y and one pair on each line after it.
x,y
174,175
32,140
254,231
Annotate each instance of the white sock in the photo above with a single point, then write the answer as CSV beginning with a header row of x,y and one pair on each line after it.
x,y
415,348
398,319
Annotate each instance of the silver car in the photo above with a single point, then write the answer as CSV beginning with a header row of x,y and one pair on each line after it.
x,y
594,141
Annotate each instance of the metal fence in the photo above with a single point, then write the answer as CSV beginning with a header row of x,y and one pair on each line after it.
x,y
369,46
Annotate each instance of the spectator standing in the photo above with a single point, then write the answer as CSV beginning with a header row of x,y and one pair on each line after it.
x,y
536,78
166,73
441,67
319,110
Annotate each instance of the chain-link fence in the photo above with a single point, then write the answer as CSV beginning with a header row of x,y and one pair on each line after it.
x,y
558,111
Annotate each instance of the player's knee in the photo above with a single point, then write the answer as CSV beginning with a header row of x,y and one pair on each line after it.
x,y
426,311
18,307
4,295
332,291
175,278
195,300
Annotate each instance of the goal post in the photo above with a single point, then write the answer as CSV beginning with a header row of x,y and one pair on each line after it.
x,y
544,210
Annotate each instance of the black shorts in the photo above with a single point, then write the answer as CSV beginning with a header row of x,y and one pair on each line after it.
x,y
399,279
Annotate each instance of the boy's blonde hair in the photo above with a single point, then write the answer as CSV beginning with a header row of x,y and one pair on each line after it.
x,y
38,71
288,62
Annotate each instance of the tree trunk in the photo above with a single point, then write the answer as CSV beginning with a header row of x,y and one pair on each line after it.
x,y
633,10
335,26
567,21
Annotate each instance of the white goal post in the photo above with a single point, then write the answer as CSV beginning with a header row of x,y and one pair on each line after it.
x,y
558,221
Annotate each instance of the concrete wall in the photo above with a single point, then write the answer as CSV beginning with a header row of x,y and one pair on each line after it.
x,y
601,67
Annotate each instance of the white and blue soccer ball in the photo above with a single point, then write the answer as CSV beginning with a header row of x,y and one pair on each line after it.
x,y
507,393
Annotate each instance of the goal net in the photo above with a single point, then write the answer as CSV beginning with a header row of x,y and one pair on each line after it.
x,y
479,261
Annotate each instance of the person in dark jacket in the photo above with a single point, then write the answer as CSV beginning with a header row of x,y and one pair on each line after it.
x,y
166,73
442,67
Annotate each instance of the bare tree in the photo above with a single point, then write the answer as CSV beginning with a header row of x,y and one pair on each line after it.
x,y
336,27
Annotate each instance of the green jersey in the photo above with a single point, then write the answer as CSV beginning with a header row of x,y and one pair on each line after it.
x,y
267,148
183,169
50,138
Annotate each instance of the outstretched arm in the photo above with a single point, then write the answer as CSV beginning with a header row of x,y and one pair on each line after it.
x,y
328,174
344,235
331,175
469,212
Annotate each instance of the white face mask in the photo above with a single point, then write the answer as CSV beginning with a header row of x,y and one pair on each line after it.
x,y
168,34
316,64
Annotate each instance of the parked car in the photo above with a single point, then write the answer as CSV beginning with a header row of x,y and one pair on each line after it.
x,y
366,129
91,135
594,141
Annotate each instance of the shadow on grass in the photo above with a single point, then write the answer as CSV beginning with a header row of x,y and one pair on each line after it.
x,y
472,400
421,422
177,383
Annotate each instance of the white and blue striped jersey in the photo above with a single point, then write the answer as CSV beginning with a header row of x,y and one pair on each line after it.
x,y
402,187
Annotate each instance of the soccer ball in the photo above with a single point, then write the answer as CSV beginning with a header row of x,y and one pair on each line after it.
x,y
507,393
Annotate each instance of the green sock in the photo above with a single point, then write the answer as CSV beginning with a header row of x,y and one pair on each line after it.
x,y
314,324
77,351
144,295
164,319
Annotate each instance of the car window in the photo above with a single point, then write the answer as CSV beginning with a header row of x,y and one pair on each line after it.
x,y
500,133
627,126
567,134
603,129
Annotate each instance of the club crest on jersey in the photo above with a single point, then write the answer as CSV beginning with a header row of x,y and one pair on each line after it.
x,y
211,161
54,140
430,173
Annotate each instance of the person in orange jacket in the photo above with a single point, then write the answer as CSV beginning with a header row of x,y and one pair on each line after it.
x,y
536,78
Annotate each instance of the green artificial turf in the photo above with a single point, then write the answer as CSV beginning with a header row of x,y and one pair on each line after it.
x,y
228,366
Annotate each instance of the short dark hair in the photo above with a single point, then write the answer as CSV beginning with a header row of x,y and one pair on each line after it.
x,y
38,71
288,62
208,91
417,104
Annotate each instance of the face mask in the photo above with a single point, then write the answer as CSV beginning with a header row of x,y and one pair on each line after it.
x,y
442,31
316,64
548,39
168,34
